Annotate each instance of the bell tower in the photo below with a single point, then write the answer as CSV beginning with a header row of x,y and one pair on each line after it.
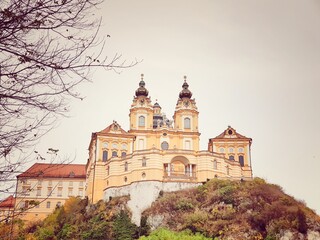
x,y
186,118
141,111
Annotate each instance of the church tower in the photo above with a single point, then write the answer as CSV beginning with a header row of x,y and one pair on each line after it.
x,y
186,118
141,115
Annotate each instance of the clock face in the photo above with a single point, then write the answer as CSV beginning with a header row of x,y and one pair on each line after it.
x,y
186,103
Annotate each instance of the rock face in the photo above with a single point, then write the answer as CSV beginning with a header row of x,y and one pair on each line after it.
x,y
312,235
143,194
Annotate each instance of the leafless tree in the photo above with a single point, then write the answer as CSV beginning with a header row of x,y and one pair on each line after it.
x,y
47,48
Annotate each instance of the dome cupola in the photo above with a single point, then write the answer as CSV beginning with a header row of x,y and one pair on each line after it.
x,y
185,93
142,91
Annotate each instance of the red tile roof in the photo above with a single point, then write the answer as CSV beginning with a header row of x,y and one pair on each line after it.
x,y
8,202
55,171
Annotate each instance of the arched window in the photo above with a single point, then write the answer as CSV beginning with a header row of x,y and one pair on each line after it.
x,y
126,166
231,157
104,156
123,154
241,160
114,154
187,123
142,121
215,164
164,145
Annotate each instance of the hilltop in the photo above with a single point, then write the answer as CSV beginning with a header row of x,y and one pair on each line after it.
x,y
219,209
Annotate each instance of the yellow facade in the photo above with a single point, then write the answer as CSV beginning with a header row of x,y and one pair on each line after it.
x,y
156,148
43,187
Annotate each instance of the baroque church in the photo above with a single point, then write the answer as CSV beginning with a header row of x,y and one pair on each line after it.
x,y
162,154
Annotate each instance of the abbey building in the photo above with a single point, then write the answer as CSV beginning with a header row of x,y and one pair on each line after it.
x,y
162,152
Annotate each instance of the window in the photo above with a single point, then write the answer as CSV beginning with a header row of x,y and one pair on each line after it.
x,y
221,150
70,192
187,144
126,166
164,145
123,154
39,191
142,121
39,183
114,154
105,145
81,184
48,204
37,205
25,191
50,183
241,160
187,123
80,192
60,184
70,184
144,162
231,157
104,156
114,145
49,191
124,146
108,170
59,194
58,204
215,164
231,150
141,144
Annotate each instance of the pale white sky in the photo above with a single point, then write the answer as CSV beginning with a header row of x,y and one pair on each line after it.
x,y
250,64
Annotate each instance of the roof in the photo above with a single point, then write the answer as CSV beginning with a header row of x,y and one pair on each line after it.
x,y
231,133
55,171
113,128
8,202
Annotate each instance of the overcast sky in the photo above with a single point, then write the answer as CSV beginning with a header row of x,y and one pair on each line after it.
x,y
250,64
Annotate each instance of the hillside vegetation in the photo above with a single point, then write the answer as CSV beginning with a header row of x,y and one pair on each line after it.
x,y
225,209
219,209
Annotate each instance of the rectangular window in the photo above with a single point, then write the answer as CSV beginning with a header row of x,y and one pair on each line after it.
x,y
241,160
70,184
70,192
80,184
80,192
50,183
60,184
187,145
104,156
48,204
25,191
141,144
144,162
38,191
49,191
59,192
